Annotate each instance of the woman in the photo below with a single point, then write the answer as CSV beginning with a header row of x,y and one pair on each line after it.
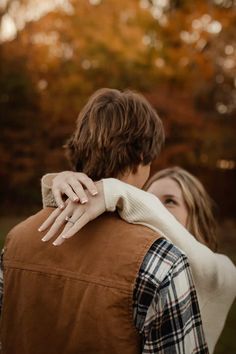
x,y
186,198
188,208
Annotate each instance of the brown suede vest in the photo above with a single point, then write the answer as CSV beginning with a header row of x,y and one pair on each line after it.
x,y
76,298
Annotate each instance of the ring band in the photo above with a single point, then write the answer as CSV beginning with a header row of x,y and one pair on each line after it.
x,y
69,220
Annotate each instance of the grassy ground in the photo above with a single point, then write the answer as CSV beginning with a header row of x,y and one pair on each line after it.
x,y
227,237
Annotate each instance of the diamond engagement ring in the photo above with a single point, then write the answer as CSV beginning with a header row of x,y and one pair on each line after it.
x,y
69,220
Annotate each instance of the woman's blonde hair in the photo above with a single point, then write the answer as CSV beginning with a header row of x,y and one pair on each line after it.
x,y
200,221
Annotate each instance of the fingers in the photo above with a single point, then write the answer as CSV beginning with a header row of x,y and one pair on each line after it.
x,y
73,220
68,190
79,215
74,187
78,225
50,220
87,182
72,184
59,241
57,224
58,218
58,198
79,190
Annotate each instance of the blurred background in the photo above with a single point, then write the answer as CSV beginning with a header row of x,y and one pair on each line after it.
x,y
180,54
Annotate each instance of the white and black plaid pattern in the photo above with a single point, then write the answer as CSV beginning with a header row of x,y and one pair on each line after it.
x,y
166,310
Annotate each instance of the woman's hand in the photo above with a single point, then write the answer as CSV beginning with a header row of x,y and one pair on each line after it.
x,y
75,216
72,184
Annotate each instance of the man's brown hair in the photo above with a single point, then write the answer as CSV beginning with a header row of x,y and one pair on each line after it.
x,y
116,131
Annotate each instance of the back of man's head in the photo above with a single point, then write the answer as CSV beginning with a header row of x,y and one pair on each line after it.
x,y
116,132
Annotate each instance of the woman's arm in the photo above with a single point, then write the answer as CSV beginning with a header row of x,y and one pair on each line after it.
x,y
139,207
214,274
211,271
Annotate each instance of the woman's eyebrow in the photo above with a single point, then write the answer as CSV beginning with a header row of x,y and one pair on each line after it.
x,y
173,196
170,196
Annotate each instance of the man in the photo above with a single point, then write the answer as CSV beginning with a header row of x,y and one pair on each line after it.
x,y
116,288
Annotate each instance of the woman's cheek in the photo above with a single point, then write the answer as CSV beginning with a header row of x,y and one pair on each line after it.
x,y
178,214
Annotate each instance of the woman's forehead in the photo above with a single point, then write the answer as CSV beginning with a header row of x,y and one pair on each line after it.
x,y
165,186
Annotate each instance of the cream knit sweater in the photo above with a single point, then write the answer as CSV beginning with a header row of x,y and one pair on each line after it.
x,y
214,274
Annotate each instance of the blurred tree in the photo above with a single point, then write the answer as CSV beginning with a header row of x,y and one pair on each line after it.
x,y
180,54
19,124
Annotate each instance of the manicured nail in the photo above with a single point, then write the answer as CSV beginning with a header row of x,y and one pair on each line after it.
x,y
55,243
44,239
94,192
83,201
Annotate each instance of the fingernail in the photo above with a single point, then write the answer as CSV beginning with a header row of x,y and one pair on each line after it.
x,y
94,192
39,229
44,239
55,243
61,206
75,199
83,201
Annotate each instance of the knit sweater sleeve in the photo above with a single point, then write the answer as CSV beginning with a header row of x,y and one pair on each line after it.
x,y
211,270
46,190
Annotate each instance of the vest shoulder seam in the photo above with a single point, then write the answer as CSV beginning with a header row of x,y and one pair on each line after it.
x,y
57,272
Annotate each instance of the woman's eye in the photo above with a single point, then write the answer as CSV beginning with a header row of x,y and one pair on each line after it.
x,y
170,201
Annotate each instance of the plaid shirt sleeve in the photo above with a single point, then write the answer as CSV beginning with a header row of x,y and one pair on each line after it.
x,y
166,310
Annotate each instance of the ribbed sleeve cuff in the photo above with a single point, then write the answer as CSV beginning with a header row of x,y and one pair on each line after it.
x,y
111,193
46,189
131,203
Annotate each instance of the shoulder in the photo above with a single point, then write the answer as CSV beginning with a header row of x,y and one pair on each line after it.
x,y
163,264
27,227
161,259
31,220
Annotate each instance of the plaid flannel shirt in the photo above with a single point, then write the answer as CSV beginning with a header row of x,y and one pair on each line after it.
x,y
166,311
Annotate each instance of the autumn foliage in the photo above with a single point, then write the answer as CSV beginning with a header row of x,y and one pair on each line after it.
x,y
179,54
